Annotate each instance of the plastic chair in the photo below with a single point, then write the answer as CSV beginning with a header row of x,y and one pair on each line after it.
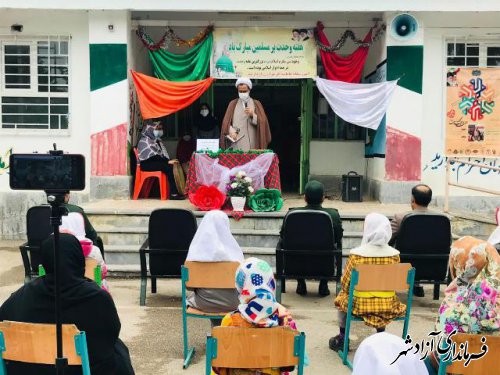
x,y
476,345
170,233
16,344
228,347
38,228
215,275
143,180
424,240
370,278
307,249
92,270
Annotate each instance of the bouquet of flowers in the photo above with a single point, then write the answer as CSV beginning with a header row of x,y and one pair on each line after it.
x,y
473,309
239,185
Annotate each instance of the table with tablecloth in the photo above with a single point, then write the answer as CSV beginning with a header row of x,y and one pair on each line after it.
x,y
231,160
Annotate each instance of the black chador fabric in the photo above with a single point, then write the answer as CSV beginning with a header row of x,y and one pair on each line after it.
x,y
83,303
207,123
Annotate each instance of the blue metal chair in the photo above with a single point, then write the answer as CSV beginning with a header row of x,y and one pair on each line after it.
x,y
16,344
370,278
214,275
476,344
227,347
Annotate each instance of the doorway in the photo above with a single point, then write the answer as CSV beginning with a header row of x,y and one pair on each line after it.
x,y
282,103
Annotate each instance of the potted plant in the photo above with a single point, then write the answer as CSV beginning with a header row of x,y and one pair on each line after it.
x,y
238,188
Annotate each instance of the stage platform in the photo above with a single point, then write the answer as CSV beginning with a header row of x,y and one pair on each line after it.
x,y
123,226
145,206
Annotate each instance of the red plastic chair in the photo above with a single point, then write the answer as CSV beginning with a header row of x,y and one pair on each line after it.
x,y
145,180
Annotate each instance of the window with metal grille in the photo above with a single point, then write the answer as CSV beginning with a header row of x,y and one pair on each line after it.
x,y
34,89
467,53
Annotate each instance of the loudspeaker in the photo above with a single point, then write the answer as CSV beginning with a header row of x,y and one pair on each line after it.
x,y
352,187
404,27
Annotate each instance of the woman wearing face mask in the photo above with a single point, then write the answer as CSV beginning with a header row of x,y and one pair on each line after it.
x,y
153,155
207,123
185,148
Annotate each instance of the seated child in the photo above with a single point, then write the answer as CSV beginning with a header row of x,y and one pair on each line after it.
x,y
258,308
74,224
377,309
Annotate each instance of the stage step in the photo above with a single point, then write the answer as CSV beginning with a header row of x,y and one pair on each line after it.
x,y
350,223
245,237
123,232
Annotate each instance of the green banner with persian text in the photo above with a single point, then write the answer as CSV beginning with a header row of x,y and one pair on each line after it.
x,y
266,53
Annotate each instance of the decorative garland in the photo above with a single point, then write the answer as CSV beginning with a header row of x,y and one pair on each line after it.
x,y
220,152
379,30
171,37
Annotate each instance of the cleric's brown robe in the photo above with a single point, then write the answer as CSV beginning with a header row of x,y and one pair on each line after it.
x,y
262,125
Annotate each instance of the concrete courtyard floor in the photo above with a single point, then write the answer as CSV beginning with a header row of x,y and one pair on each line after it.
x,y
154,333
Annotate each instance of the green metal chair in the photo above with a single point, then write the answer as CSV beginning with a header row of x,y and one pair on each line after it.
x,y
227,347
370,278
214,275
92,271
476,344
16,344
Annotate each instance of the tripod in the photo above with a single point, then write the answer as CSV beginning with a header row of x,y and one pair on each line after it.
x,y
56,198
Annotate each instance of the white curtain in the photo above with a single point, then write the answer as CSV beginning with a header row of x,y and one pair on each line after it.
x,y
362,104
210,172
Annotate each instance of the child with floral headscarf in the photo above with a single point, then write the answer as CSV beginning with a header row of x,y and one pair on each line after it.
x,y
258,308
471,303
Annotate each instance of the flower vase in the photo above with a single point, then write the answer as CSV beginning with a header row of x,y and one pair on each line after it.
x,y
238,203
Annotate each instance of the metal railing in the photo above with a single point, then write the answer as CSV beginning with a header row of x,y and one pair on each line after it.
x,y
456,184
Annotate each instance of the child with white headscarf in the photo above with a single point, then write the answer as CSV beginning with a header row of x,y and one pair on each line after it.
x,y
377,309
376,354
213,242
74,224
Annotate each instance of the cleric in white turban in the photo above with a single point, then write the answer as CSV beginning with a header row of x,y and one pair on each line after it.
x,y
245,125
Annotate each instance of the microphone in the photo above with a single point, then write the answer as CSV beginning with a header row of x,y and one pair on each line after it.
x,y
246,105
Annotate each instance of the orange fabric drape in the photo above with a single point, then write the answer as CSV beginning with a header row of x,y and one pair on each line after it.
x,y
158,98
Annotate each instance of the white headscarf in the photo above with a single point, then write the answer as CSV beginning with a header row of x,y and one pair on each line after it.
x,y
376,235
213,241
376,353
495,236
74,224
244,81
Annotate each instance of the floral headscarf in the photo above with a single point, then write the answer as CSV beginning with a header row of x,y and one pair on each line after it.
x,y
256,287
472,303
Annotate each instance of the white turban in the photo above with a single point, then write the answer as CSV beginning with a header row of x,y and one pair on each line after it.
x,y
244,81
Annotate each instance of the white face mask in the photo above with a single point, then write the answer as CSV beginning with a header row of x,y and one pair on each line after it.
x,y
187,137
158,133
244,95
204,112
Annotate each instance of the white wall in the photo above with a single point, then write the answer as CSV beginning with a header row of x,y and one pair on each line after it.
x,y
77,138
261,5
337,158
434,107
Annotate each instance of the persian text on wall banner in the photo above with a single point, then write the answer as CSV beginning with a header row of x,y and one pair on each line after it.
x,y
472,112
263,53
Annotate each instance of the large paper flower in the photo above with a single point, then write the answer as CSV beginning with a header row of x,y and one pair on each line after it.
x,y
207,198
266,200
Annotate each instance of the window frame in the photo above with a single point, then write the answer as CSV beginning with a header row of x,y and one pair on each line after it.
x,y
483,45
32,41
